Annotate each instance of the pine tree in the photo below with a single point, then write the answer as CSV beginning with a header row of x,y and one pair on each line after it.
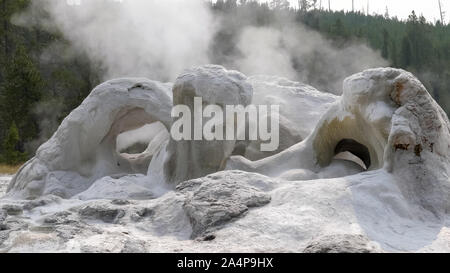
x,y
19,93
385,47
7,9
11,153
406,54
338,29
303,6
393,53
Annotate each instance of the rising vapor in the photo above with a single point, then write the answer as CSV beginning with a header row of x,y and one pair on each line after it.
x,y
158,39
148,38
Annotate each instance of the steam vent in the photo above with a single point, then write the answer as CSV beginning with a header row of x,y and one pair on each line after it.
x,y
367,171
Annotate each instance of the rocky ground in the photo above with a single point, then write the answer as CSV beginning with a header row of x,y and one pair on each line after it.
x,y
231,211
4,180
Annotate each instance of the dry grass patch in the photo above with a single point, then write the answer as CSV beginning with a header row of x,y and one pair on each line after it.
x,y
8,169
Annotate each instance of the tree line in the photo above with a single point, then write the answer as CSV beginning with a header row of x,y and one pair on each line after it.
x,y
40,84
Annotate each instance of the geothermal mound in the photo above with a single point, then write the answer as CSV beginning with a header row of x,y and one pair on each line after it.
x,y
364,172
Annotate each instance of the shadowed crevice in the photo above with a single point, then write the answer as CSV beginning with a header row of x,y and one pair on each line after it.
x,y
356,148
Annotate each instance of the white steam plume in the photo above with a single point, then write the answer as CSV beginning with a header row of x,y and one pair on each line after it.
x,y
304,55
149,38
157,39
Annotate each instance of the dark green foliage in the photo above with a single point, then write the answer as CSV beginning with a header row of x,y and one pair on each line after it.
x,y
385,48
29,82
20,92
406,60
11,150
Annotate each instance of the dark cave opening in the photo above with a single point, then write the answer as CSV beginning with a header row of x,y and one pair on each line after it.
x,y
351,150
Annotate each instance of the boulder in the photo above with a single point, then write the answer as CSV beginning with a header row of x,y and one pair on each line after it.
x,y
217,199
105,213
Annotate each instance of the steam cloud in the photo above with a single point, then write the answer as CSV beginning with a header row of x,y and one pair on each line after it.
x,y
149,38
304,55
158,39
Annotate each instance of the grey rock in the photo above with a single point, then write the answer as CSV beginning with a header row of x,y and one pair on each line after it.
x,y
61,218
68,232
120,202
101,212
11,209
3,216
4,235
134,246
42,201
15,224
42,229
145,212
142,213
208,237
93,249
219,198
345,243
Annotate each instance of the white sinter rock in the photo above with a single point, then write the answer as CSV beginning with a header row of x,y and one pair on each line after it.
x,y
187,159
301,107
83,149
369,172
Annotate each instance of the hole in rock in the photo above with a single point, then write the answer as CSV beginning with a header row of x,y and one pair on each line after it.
x,y
138,141
353,151
137,146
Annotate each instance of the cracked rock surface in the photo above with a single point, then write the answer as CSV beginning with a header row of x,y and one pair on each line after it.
x,y
219,198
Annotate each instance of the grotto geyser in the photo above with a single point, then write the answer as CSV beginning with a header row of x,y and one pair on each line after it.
x,y
366,171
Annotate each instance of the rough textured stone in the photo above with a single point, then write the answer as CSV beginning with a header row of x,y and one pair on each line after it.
x,y
4,235
102,212
12,209
61,218
3,216
42,201
341,244
219,198
133,246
